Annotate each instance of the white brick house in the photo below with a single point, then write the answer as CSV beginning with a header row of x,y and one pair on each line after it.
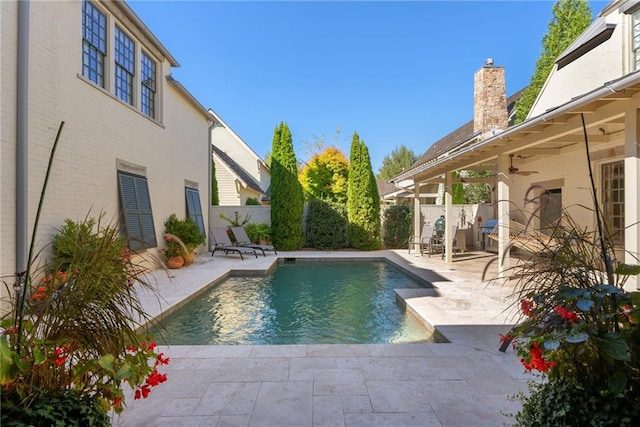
x,y
597,78
134,143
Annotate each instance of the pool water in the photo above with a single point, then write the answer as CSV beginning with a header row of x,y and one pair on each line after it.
x,y
300,303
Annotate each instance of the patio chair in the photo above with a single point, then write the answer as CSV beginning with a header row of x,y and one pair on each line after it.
x,y
243,240
426,239
222,242
454,247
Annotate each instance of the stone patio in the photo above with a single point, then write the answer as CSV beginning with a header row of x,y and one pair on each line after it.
x,y
465,382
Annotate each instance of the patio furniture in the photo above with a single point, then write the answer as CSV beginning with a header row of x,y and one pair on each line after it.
x,y
440,244
222,242
243,240
425,240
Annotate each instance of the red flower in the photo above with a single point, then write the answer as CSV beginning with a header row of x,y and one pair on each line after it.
x,y
117,401
161,360
526,307
505,338
566,314
536,360
60,360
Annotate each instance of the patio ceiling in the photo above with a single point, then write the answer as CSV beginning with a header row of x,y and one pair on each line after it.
x,y
557,131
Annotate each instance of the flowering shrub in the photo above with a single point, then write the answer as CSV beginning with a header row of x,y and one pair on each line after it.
x,y
578,330
73,331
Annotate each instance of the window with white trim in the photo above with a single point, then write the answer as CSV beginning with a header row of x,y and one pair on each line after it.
x,y
613,199
194,208
124,65
635,39
94,43
148,86
137,216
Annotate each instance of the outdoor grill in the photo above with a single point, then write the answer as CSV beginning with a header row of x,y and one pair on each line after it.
x,y
489,244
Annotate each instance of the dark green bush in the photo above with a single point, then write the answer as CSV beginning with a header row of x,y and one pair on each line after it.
x,y
563,402
70,408
258,232
398,226
252,201
327,225
70,238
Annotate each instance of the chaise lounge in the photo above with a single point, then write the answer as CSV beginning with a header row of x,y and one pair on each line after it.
x,y
243,240
222,242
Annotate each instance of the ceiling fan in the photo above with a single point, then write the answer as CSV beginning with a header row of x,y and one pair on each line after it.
x,y
517,171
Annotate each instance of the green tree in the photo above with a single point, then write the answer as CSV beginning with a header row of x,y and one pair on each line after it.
x,y
394,163
287,200
477,192
457,191
325,176
363,203
570,19
215,198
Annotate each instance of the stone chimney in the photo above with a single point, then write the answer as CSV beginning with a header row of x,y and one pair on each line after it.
x,y
489,99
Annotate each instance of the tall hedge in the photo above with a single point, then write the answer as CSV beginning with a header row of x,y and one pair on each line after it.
x,y
215,198
287,199
363,203
327,224
398,226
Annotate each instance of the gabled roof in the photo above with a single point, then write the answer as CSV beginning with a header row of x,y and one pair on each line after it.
x,y
236,136
244,176
461,135
597,33
385,188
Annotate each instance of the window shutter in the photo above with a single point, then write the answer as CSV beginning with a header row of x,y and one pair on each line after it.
x,y
194,209
136,212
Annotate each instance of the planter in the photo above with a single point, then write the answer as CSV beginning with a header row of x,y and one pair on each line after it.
x,y
189,258
175,262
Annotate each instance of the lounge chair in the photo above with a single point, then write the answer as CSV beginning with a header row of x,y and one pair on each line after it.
x,y
222,242
426,239
243,240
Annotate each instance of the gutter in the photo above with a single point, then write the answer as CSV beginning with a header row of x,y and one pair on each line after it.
x,y
606,89
22,138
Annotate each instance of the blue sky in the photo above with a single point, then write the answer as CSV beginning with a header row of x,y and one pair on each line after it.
x,y
395,72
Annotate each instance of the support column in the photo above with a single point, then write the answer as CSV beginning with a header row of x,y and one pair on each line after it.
x,y
632,192
417,218
503,214
448,215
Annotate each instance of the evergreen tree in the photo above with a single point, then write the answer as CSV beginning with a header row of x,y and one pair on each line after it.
x,y
393,164
215,198
570,19
325,176
363,201
287,200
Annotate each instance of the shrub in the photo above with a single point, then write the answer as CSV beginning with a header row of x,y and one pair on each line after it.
x,y
287,199
252,201
327,225
398,226
363,200
258,232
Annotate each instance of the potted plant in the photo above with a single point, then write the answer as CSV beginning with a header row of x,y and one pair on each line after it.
x,y
188,232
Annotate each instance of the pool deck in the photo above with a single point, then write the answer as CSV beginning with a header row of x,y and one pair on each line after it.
x,y
462,383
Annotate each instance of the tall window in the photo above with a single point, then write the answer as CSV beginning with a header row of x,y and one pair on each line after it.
x,y
125,60
635,39
136,211
194,209
148,82
613,199
94,43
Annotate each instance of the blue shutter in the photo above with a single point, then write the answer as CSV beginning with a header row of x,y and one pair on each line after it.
x,y
136,211
194,209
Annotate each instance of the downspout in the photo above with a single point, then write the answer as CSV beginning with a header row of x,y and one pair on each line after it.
x,y
213,124
22,138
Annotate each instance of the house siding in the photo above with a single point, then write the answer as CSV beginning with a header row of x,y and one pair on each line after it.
x,y
99,130
601,64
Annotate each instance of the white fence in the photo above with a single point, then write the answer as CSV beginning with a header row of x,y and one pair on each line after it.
x,y
468,217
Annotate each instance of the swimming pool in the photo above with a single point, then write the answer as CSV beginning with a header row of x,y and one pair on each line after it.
x,y
301,302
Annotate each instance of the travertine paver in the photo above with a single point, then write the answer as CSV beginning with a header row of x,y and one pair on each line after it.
x,y
463,383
